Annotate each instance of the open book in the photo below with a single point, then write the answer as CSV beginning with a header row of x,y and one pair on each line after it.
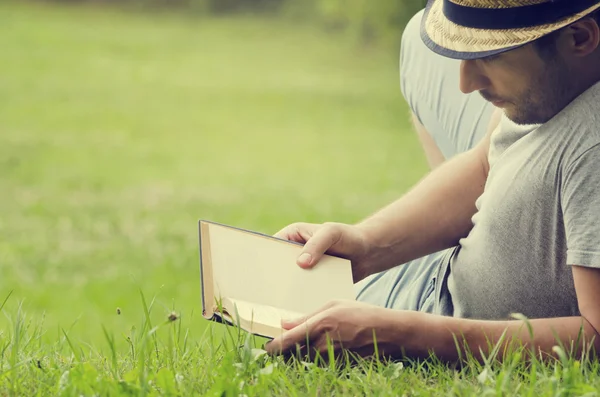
x,y
251,280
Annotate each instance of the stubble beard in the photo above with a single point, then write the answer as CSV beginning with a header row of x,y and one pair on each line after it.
x,y
547,96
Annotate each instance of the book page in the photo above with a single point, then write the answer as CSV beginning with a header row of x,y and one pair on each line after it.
x,y
258,314
260,269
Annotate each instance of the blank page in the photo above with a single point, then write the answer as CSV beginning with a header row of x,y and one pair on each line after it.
x,y
261,314
261,269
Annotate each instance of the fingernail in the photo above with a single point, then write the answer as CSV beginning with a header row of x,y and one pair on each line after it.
x,y
304,259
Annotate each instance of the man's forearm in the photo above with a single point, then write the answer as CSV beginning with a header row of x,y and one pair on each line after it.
x,y
433,216
450,338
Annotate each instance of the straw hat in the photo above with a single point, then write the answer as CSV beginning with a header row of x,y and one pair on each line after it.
x,y
470,29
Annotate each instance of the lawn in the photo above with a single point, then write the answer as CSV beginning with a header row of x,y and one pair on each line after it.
x,y
119,130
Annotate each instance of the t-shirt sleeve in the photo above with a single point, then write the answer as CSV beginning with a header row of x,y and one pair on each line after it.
x,y
581,209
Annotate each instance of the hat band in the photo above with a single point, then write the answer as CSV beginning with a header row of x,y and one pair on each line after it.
x,y
514,17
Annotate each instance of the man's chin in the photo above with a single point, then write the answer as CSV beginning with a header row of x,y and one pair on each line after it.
x,y
513,114
523,119
517,119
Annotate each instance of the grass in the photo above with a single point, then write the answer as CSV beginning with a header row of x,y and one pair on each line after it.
x,y
118,131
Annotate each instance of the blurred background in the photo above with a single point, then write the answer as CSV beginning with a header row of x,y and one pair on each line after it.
x,y
122,123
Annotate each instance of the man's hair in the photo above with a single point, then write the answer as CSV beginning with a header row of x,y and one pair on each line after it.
x,y
546,45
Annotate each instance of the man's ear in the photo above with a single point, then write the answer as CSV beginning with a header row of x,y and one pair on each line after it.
x,y
582,37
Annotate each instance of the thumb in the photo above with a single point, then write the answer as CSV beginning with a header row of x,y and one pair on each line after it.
x,y
316,246
288,324
305,260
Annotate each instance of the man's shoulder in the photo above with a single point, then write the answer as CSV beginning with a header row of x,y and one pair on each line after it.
x,y
583,110
577,127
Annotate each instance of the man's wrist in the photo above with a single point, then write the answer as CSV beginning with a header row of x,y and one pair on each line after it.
x,y
368,234
383,249
368,262
398,332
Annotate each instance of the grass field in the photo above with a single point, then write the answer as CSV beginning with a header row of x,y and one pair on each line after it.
x,y
118,131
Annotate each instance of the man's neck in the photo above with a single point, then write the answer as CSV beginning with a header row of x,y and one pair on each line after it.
x,y
586,77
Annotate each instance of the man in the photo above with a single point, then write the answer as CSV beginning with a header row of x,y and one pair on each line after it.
x,y
447,122
517,213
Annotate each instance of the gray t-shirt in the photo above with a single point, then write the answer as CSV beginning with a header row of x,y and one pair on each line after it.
x,y
539,214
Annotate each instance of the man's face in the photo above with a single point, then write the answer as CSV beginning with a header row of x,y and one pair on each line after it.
x,y
529,87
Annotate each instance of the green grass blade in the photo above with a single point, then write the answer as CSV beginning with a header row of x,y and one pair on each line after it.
x,y
75,352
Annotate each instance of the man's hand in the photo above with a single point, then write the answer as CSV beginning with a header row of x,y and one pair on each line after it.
x,y
431,217
349,325
337,239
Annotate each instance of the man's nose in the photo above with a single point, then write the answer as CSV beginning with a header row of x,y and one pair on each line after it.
x,y
471,78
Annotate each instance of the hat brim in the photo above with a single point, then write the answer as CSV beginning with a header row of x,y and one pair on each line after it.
x,y
450,40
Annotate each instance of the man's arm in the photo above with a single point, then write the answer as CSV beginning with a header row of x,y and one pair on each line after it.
x,y
434,215
351,325
476,335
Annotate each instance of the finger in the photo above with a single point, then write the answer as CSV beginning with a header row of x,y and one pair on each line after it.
x,y
297,232
305,354
321,241
288,324
286,233
312,354
319,353
288,342
316,352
